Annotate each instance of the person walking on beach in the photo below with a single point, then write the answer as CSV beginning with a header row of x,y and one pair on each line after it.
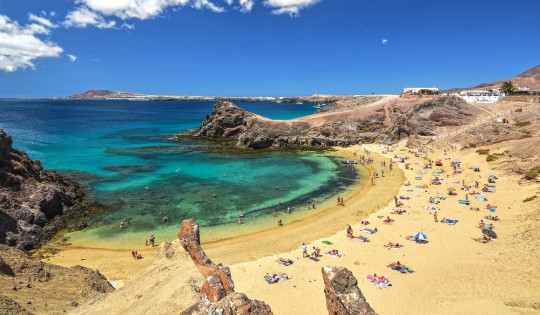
x,y
304,251
279,222
289,210
338,201
342,201
313,204
152,239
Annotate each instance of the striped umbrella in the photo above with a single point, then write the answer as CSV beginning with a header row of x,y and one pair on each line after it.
x,y
420,236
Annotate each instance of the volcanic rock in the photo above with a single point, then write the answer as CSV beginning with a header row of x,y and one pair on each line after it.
x,y
217,292
342,293
31,197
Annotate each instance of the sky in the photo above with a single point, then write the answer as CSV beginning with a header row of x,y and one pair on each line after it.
x,y
261,47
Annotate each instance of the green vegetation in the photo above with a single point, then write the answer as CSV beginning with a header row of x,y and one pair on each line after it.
x,y
508,87
472,145
527,132
490,158
522,123
530,198
482,151
532,174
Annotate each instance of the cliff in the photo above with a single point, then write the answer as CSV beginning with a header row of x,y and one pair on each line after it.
x,y
30,198
347,122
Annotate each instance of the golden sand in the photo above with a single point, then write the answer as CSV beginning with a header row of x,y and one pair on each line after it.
x,y
453,274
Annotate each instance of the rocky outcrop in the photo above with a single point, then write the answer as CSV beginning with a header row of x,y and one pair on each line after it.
x,y
343,123
31,197
42,287
217,292
342,293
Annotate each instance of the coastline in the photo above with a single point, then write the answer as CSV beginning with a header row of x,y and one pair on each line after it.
x,y
360,199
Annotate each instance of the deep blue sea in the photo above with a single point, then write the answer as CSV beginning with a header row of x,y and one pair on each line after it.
x,y
124,151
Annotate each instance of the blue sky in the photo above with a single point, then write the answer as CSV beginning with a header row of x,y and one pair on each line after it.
x,y
261,47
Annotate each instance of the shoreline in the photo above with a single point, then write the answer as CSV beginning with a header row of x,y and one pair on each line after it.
x,y
116,264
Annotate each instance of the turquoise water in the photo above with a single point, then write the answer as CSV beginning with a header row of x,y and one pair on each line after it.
x,y
124,152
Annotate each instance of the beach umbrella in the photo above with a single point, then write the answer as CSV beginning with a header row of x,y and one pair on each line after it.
x,y
489,233
420,236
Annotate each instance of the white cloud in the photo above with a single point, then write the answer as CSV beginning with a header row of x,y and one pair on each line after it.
x,y
384,41
201,4
83,17
246,5
72,58
124,9
41,20
291,7
20,45
127,26
229,2
52,13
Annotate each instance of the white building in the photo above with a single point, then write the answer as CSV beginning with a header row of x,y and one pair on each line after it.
x,y
421,90
481,96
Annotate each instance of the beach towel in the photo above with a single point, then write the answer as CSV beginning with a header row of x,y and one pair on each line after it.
x,y
357,240
418,186
449,221
327,243
276,278
418,178
480,199
314,259
435,202
366,231
430,208
405,198
464,202
388,223
491,190
492,210
363,239
491,186
382,285
403,270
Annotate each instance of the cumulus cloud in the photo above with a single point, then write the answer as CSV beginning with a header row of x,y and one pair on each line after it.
x,y
21,45
125,9
246,5
291,7
72,58
384,41
83,17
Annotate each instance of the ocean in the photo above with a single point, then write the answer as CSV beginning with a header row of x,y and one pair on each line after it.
x,y
125,152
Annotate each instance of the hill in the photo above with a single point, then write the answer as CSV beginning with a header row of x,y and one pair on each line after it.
x,y
529,79
93,94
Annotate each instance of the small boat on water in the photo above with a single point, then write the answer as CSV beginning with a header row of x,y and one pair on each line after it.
x,y
349,162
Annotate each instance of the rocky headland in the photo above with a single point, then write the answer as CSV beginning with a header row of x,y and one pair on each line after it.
x,y
365,119
32,198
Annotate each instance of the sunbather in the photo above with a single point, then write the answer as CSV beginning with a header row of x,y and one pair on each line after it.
x,y
481,224
370,230
317,252
284,261
333,252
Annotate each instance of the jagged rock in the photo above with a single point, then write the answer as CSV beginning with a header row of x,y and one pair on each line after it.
x,y
31,197
217,292
342,293
10,307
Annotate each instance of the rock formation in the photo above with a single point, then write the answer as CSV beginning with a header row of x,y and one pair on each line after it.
x,y
42,287
343,123
217,292
343,296
31,197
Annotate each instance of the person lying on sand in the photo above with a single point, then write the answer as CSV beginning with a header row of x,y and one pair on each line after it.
x,y
494,218
333,252
483,239
364,222
398,211
397,265
393,245
372,231
284,261
388,220
488,206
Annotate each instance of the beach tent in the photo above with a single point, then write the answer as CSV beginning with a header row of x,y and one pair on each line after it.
x,y
420,236
489,233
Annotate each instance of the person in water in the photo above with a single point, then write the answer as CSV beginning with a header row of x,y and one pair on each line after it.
x,y
122,224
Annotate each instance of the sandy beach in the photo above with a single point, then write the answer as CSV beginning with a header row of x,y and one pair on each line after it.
x,y
453,274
